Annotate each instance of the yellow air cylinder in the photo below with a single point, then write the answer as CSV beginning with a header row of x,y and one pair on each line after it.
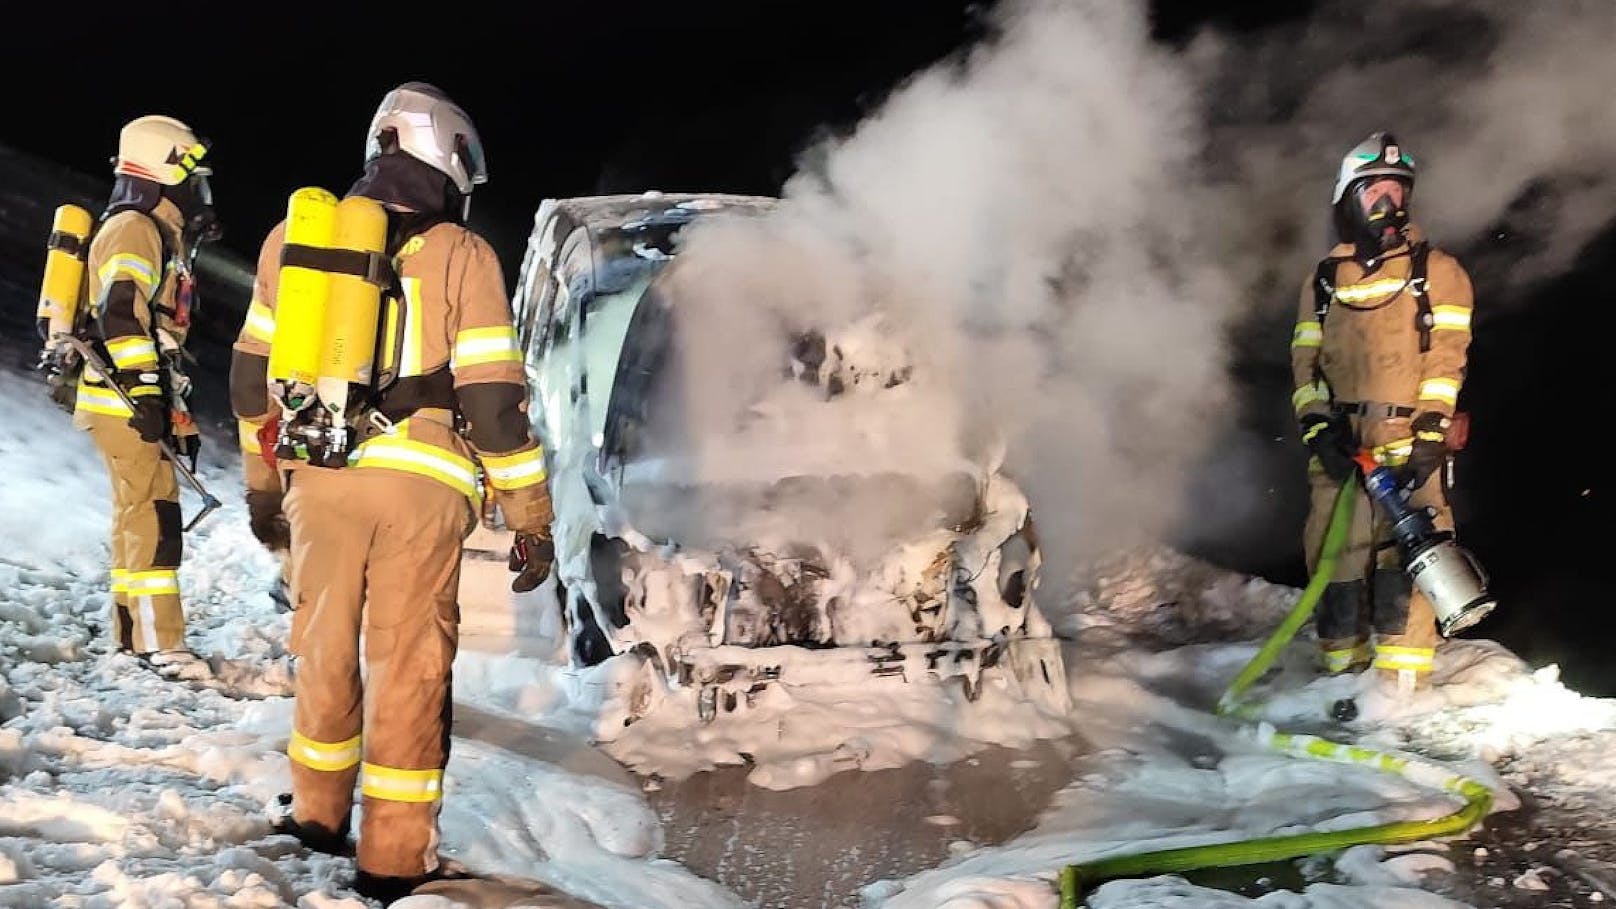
x,y
349,346
300,304
64,268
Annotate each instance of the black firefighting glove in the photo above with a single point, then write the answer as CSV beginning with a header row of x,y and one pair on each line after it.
x,y
531,558
267,520
1330,439
144,388
60,366
150,418
1430,450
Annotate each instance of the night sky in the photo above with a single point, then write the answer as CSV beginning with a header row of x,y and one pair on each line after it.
x,y
579,98
570,98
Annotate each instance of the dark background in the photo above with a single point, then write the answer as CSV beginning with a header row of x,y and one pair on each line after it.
x,y
570,99
574,99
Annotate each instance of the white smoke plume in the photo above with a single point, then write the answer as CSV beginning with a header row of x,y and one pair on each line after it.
x,y
1507,106
1062,226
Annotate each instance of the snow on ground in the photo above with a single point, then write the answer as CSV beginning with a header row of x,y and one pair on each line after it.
x,y
121,789
1167,774
788,735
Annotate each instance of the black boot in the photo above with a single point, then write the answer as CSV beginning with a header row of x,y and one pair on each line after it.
x,y
313,836
385,890
388,890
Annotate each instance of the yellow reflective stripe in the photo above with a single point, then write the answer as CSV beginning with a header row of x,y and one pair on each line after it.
x,y
129,265
1440,389
260,325
1307,334
477,346
1315,429
132,353
141,391
247,433
409,363
419,458
514,471
1393,453
1340,660
396,785
330,756
102,401
156,582
1428,436
1357,293
1418,659
192,157
119,585
389,353
1311,393
1447,317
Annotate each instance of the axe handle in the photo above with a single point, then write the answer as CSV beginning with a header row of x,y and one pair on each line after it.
x,y
209,503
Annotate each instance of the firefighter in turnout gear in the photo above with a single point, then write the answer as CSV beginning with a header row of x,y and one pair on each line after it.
x,y
376,529
1378,357
140,295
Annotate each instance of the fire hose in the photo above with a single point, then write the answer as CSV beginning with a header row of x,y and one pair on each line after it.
x,y
1075,880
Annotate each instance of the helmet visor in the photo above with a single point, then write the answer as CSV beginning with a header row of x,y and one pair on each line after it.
x,y
471,154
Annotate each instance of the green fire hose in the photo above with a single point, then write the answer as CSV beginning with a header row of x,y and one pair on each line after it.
x,y
1076,879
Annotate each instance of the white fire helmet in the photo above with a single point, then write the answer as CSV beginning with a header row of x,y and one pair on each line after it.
x,y
432,129
1377,156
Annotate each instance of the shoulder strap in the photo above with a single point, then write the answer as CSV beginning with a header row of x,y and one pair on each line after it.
x,y
399,231
165,252
1419,260
1324,288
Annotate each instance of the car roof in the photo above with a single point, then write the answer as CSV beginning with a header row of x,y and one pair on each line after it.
x,y
602,213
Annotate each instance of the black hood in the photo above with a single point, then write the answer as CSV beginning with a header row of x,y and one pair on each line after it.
x,y
401,182
135,193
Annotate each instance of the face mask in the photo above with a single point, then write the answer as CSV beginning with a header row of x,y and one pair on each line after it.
x,y
1383,215
194,198
203,227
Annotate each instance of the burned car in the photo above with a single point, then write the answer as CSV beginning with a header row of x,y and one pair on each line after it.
x,y
706,552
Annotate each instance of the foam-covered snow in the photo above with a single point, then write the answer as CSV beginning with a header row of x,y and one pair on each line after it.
x,y
120,789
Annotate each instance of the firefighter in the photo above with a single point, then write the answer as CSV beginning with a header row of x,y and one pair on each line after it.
x,y
376,544
141,293
1378,358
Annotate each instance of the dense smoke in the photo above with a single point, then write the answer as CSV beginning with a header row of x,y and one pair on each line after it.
x,y
1061,228
1506,105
